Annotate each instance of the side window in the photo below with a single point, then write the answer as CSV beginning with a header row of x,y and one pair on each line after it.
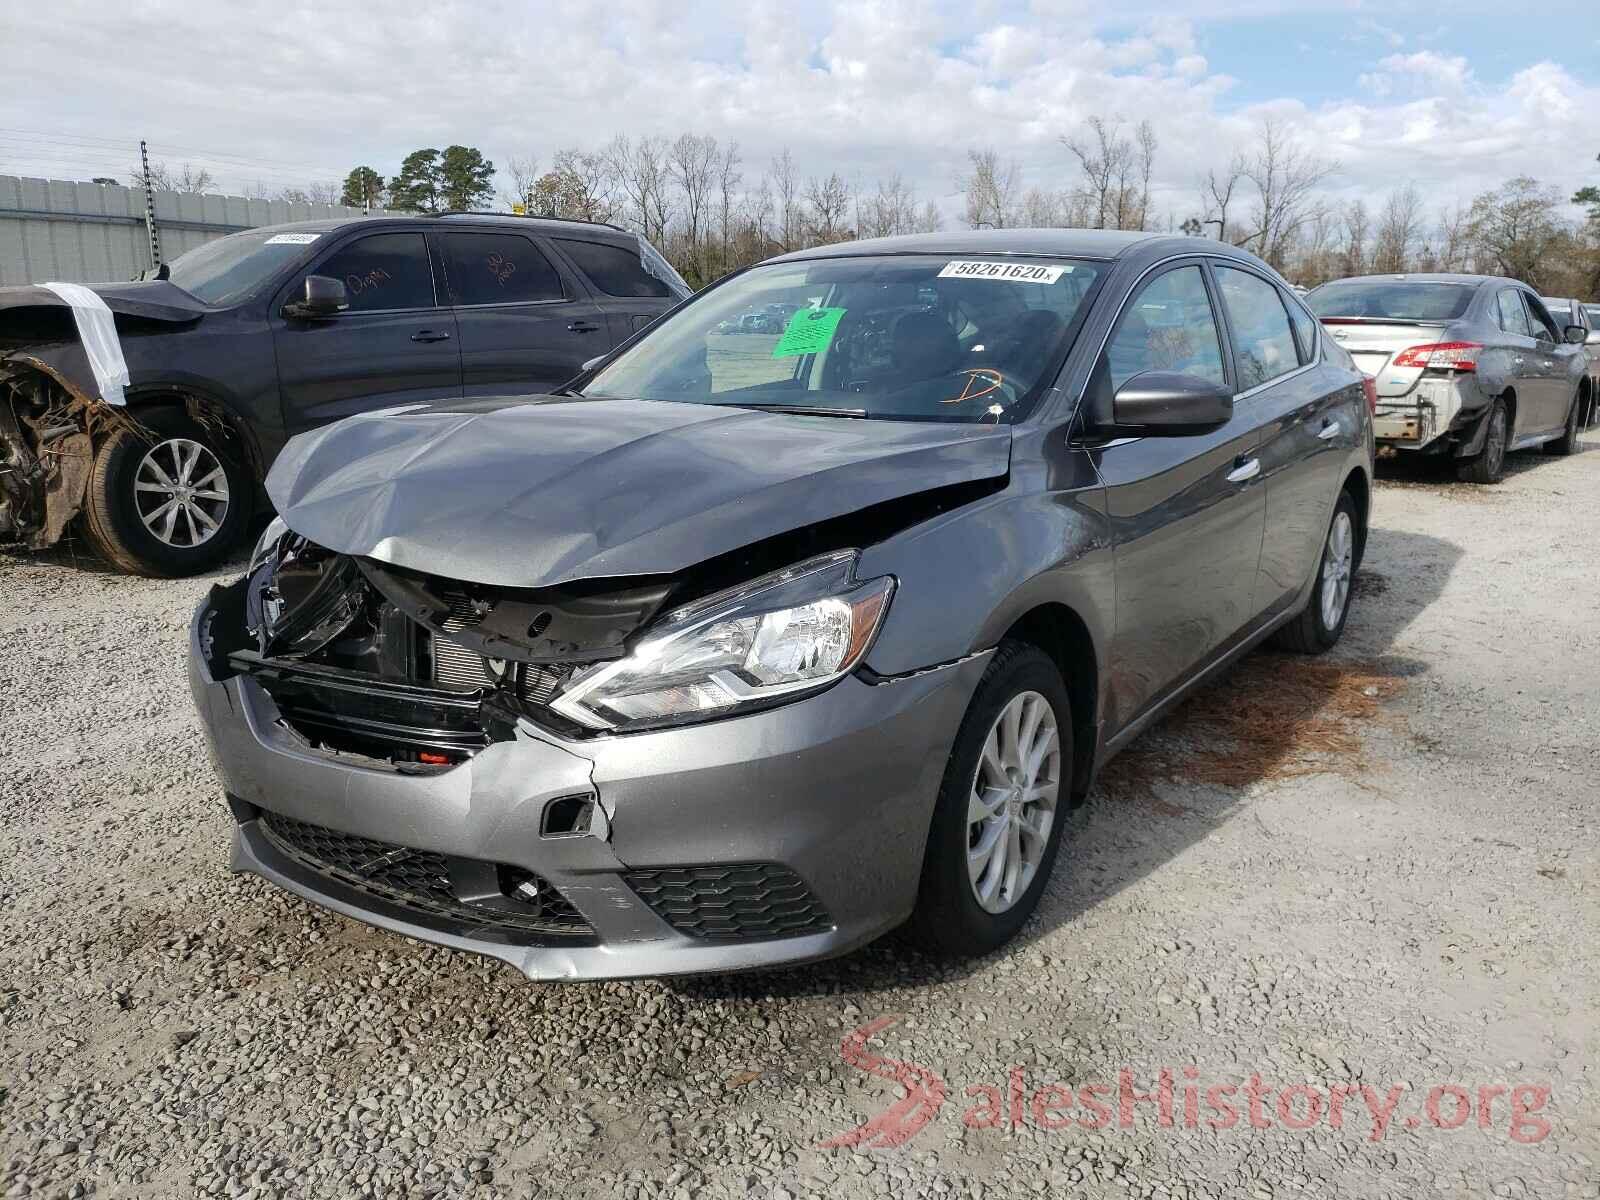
x,y
1169,326
383,270
1513,318
1263,343
1539,319
614,270
1305,328
498,268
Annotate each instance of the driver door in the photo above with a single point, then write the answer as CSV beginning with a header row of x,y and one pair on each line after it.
x,y
395,344
1187,513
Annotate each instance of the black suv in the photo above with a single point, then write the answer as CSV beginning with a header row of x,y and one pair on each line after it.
x,y
252,338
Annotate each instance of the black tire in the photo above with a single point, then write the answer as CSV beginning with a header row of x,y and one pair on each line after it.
x,y
1310,632
1489,464
112,508
948,920
1567,443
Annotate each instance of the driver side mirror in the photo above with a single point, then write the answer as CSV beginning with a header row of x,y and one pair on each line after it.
x,y
1576,335
325,297
1169,404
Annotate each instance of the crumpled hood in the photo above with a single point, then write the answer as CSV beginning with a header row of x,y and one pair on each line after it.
x,y
541,491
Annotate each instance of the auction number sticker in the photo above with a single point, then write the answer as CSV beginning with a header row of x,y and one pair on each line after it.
x,y
1012,271
291,239
810,331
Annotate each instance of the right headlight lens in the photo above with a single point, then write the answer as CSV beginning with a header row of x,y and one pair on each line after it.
x,y
785,634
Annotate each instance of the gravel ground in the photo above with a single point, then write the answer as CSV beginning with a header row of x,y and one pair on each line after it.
x,y
1415,905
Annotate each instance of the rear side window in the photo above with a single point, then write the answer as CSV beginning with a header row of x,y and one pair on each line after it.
x,y
1263,344
614,270
383,270
1169,326
498,268
1305,328
1513,318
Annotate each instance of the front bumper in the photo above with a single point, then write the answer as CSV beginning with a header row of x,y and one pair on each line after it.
x,y
837,790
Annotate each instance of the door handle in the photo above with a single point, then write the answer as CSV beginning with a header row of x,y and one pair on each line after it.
x,y
430,335
1329,431
1244,469
583,327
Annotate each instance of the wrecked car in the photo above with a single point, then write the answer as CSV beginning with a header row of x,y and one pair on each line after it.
x,y
1466,367
743,655
150,411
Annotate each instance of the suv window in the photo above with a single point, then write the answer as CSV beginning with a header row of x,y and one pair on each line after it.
x,y
383,270
1263,344
615,270
498,268
1513,318
1539,319
1169,326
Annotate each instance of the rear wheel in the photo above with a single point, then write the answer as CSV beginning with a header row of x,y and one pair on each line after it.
x,y
1489,463
1319,624
171,504
1568,441
998,820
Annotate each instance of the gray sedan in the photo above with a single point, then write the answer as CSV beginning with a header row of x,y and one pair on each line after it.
x,y
743,651
1468,366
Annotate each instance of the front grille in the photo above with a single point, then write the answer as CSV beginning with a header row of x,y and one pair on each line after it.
x,y
730,903
419,880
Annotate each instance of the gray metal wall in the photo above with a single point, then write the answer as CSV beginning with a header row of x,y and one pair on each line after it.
x,y
53,231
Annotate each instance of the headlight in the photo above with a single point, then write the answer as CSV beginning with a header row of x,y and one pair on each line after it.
x,y
269,538
792,632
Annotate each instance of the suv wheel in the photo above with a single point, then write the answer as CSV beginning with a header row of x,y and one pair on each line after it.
x,y
1489,463
168,505
1319,624
1001,808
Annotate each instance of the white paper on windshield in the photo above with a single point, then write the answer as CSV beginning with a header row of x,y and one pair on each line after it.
x,y
97,330
291,239
1013,272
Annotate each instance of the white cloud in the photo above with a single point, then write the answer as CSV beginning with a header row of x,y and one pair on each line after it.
x,y
305,90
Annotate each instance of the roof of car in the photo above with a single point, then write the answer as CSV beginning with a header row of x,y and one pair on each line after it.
x,y
546,224
1067,243
1423,277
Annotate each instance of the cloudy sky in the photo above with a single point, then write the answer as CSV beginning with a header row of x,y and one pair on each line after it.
x,y
1453,97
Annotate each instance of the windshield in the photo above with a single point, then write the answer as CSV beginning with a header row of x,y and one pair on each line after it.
x,y
901,337
229,268
1391,300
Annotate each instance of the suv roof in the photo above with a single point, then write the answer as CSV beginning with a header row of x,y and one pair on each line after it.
x,y
548,224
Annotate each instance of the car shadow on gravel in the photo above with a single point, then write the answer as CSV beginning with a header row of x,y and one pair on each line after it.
x,y
1272,716
1436,473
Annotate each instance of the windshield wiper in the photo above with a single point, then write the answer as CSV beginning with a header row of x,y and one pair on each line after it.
x,y
803,410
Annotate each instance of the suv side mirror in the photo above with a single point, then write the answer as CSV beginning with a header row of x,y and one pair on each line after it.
x,y
325,297
1168,404
1576,335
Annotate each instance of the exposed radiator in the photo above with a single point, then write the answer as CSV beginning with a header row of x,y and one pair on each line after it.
x,y
454,666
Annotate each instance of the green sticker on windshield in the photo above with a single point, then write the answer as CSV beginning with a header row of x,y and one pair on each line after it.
x,y
809,332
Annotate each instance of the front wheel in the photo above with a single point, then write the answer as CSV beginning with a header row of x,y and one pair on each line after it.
x,y
1318,626
1568,441
1001,808
168,502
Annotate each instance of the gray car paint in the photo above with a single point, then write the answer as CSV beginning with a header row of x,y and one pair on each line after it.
x,y
1115,543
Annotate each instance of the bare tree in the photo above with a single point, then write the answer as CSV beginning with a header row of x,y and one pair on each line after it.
x,y
643,178
1139,215
991,191
890,210
1515,228
1286,177
728,179
828,200
929,220
1450,235
1399,228
187,178
524,172
1217,192
1356,225
1116,171
786,189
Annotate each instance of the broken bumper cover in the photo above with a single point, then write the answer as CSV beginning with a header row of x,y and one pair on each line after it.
x,y
1433,408
809,820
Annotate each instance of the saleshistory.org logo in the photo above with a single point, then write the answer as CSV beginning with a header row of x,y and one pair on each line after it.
x,y
1178,1095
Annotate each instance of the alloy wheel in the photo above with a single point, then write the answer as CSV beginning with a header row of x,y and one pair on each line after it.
x,y
1338,561
1013,801
181,493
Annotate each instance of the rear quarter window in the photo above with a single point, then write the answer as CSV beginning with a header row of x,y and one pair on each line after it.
x,y
614,270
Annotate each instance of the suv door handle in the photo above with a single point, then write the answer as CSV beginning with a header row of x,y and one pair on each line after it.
x,y
1329,431
430,335
583,327
1244,469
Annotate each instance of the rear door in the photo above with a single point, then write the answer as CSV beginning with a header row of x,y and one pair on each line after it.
x,y
396,344
629,295
1186,512
1558,380
1528,371
1307,429
526,324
